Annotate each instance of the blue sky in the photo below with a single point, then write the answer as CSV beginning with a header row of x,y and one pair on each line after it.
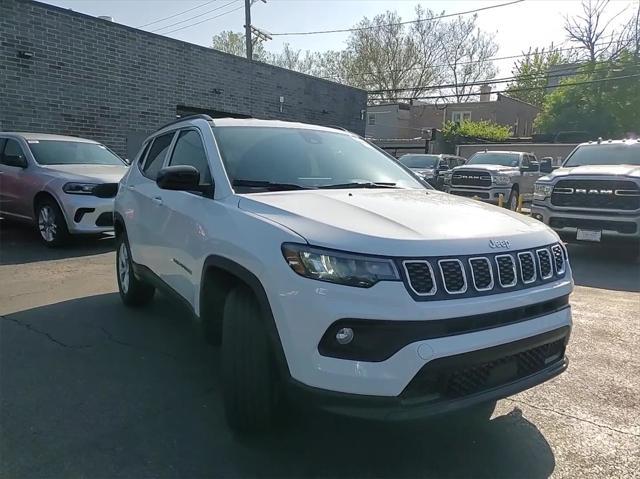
x,y
531,23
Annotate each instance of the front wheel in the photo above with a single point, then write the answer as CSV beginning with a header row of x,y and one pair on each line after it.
x,y
248,372
133,291
51,223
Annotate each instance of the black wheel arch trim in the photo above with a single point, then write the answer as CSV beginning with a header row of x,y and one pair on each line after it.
x,y
255,285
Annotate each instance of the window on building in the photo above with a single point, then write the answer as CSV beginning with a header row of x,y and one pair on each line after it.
x,y
460,116
371,118
189,151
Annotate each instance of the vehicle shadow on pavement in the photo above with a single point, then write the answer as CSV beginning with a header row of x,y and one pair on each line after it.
x,y
91,388
599,266
20,244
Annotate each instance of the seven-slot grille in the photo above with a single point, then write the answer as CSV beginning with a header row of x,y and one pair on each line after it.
x,y
441,278
600,194
470,178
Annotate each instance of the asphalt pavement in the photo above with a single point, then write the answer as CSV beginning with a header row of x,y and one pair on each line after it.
x,y
89,388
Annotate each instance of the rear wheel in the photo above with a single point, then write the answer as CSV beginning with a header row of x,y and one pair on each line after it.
x,y
51,224
248,372
133,291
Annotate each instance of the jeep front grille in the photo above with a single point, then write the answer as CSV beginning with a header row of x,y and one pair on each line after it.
x,y
479,275
597,194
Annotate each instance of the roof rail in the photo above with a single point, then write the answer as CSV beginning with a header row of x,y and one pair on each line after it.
x,y
201,116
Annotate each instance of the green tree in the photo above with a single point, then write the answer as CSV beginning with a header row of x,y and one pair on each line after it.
x,y
595,101
531,74
481,130
233,43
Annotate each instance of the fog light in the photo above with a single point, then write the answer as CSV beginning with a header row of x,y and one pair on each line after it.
x,y
344,335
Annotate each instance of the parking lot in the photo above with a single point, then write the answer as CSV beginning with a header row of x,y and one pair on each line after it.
x,y
89,388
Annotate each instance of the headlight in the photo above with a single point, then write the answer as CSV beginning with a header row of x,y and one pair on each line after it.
x,y
79,188
542,191
501,179
337,267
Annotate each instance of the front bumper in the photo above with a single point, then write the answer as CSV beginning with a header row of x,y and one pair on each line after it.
x,y
566,223
439,387
488,195
87,214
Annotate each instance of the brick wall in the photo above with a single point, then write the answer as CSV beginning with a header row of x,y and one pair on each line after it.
x,y
101,80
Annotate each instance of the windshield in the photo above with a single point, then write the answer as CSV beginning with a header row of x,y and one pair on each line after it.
x,y
54,152
614,154
502,159
290,158
420,161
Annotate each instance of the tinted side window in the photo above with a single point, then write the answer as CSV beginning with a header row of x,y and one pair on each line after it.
x,y
156,155
12,153
143,153
190,151
2,142
525,160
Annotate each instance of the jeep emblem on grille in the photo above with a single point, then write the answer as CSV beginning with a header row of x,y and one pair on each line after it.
x,y
499,244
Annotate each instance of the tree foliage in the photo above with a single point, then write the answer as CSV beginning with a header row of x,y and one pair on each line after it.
x,y
606,107
481,130
531,73
395,59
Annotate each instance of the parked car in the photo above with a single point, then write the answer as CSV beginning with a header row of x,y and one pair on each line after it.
x,y
489,174
331,274
431,168
62,184
595,196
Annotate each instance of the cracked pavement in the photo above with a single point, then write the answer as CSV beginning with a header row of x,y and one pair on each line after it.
x,y
89,388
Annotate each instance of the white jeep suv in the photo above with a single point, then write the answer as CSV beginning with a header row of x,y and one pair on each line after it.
x,y
330,274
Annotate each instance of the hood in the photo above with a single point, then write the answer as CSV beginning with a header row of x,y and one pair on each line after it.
x,y
89,173
424,171
597,170
397,222
490,168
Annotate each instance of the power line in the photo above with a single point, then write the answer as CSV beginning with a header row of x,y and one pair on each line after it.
x,y
176,14
562,85
356,29
194,17
206,19
569,71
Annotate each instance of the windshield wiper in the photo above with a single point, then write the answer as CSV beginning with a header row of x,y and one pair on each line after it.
x,y
268,185
362,184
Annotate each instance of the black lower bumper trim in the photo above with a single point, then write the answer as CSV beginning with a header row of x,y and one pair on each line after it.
x,y
409,408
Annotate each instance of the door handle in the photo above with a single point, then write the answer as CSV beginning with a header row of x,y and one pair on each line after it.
x,y
157,200
131,187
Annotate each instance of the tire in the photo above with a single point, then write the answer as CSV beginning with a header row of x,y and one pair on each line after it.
x,y
133,291
50,223
512,202
249,376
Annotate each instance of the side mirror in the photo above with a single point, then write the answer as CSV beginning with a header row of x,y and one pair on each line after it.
x,y
19,161
179,178
443,167
546,165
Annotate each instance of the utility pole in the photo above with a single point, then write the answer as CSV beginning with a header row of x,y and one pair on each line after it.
x,y
247,29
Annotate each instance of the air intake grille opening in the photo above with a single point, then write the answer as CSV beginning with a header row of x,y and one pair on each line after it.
x,y
544,260
506,270
420,277
482,274
558,258
527,267
453,276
